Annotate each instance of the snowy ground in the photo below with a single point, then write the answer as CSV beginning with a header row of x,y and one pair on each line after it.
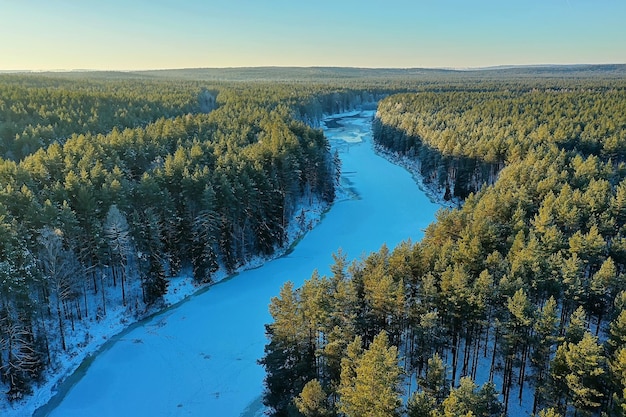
x,y
89,335
200,357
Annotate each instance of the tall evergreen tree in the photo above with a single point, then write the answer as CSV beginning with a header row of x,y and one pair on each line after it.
x,y
313,401
370,387
117,233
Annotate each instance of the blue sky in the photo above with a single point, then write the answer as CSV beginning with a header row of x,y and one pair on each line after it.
x,y
147,34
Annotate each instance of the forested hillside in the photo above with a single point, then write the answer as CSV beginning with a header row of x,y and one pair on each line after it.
x,y
110,186
517,297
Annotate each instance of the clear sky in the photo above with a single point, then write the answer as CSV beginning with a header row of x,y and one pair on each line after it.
x,y
151,34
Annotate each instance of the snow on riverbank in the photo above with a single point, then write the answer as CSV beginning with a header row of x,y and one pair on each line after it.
x,y
355,125
200,358
90,335
305,218
434,193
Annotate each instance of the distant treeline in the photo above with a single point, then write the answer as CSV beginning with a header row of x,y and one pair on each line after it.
x,y
413,78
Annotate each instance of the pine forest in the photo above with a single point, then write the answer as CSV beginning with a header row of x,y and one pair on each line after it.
x,y
113,183
518,295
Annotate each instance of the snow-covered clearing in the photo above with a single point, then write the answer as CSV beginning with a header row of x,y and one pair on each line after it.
x,y
200,357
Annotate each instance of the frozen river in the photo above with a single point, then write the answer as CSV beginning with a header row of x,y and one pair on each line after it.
x,y
200,357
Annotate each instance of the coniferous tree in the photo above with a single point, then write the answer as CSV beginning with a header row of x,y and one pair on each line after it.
x,y
545,336
60,272
313,401
288,359
420,404
468,399
370,381
579,374
435,383
117,233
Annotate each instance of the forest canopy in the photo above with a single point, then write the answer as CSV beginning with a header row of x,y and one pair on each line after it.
x,y
110,183
525,280
110,186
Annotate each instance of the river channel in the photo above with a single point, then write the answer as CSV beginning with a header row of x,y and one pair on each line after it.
x,y
199,358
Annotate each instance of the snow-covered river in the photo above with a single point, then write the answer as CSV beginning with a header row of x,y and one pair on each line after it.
x,y
200,357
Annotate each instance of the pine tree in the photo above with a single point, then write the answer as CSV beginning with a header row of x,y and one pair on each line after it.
x,y
421,404
573,288
60,271
435,383
155,281
515,334
313,401
545,330
617,367
337,166
549,412
602,290
370,386
579,373
147,227
577,326
617,333
289,360
117,233
468,399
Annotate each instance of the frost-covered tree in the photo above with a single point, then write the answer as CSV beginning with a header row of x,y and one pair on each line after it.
x,y
24,359
118,238
60,270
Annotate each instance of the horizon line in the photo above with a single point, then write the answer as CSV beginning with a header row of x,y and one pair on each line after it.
x,y
469,68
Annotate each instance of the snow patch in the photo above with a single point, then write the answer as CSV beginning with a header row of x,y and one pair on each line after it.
x,y
200,357
89,335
